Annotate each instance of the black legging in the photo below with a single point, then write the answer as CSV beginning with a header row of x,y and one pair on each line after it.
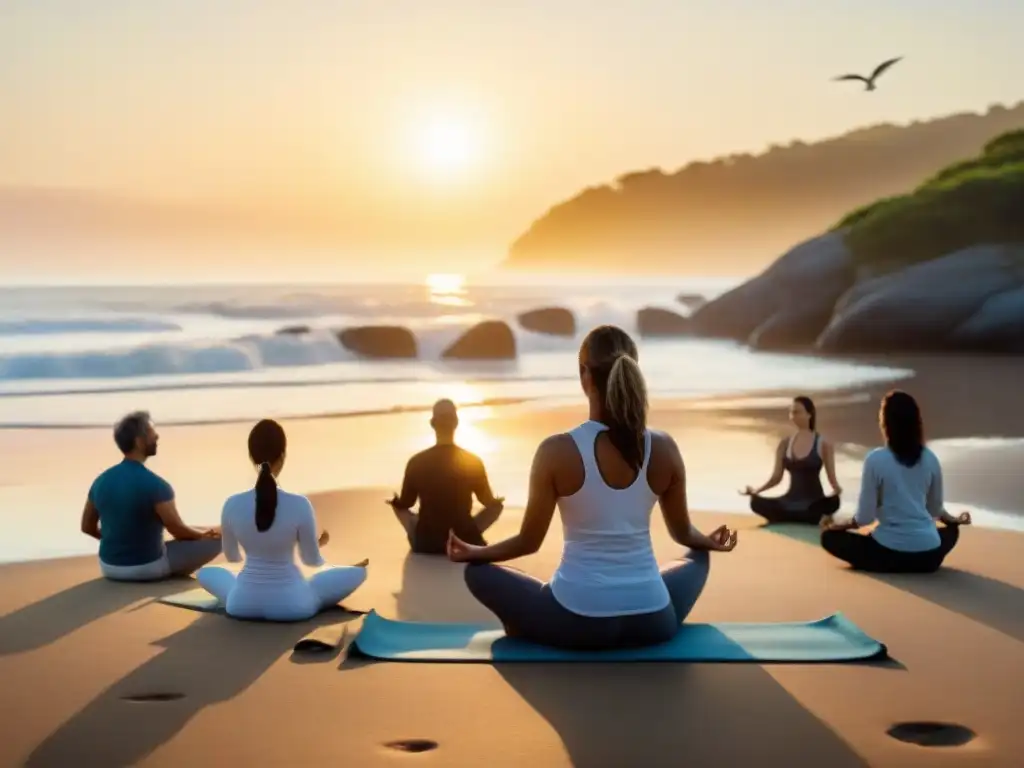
x,y
528,609
783,510
863,553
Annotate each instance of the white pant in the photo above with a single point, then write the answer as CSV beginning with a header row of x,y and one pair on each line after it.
x,y
180,558
290,600
154,571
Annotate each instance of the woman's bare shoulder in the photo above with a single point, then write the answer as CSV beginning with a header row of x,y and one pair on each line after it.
x,y
663,444
557,446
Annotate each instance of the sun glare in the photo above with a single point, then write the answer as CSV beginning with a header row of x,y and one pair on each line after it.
x,y
473,433
447,147
447,289
446,283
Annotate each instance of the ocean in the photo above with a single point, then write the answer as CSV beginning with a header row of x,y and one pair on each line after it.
x,y
81,357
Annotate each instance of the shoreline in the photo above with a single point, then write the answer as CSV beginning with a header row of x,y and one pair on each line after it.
x,y
972,420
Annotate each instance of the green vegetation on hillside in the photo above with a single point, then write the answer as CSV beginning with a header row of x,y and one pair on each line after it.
x,y
971,202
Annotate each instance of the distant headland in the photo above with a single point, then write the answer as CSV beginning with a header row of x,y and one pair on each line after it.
x,y
735,214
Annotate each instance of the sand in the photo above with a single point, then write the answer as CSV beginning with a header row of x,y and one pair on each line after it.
x,y
75,649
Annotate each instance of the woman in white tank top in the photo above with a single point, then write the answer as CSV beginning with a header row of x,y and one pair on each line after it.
x,y
270,524
605,477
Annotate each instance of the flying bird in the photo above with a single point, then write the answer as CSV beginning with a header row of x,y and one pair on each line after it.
x,y
869,82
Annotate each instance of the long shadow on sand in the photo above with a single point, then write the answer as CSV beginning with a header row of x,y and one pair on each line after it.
x,y
988,601
676,714
647,715
428,584
47,620
212,660
671,714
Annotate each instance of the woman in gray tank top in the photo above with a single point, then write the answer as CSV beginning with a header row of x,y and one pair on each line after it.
x,y
803,455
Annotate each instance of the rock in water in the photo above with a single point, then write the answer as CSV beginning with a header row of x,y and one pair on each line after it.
x,y
293,330
691,300
554,321
652,321
489,340
386,342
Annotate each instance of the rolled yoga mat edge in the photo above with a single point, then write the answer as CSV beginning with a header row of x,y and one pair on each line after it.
x,y
830,639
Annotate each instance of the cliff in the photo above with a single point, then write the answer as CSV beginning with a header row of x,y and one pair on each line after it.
x,y
938,268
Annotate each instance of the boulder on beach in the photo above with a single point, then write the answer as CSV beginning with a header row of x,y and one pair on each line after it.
x,y
554,321
998,326
654,321
809,278
489,340
925,306
791,329
940,268
293,330
385,342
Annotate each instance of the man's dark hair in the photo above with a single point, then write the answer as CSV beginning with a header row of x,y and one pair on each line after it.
x,y
129,429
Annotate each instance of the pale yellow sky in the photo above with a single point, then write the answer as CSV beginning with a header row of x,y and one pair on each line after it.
x,y
325,106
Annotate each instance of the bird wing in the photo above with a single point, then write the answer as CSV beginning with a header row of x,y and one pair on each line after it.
x,y
851,77
884,66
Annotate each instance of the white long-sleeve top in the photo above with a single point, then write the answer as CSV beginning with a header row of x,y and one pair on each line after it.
x,y
906,501
270,574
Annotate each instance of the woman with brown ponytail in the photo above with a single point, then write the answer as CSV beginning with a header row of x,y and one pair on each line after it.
x,y
605,477
269,523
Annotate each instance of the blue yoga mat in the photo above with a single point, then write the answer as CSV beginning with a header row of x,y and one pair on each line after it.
x,y
831,639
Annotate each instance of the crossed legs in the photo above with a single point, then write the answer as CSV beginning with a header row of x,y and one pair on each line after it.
x,y
330,586
528,609
187,557
863,553
777,510
481,521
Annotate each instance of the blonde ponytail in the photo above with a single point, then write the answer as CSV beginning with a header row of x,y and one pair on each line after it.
x,y
610,356
626,409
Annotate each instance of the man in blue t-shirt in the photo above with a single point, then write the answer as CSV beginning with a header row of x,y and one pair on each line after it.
x,y
129,507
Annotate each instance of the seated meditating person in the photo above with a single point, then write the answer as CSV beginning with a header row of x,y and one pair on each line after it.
x,y
444,479
802,455
605,477
129,507
270,524
901,488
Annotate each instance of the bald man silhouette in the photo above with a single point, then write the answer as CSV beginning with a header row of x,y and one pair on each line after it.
x,y
444,479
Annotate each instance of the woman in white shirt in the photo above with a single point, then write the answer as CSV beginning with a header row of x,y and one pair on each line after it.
x,y
605,477
269,523
901,488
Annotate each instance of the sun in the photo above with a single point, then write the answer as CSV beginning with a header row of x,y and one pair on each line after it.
x,y
448,146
